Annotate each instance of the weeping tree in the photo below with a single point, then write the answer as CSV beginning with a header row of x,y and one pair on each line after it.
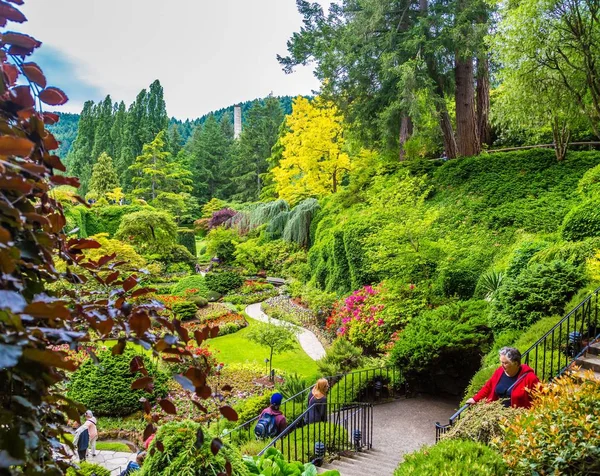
x,y
297,228
266,212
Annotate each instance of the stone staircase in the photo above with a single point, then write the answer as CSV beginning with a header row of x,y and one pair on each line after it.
x,y
590,361
371,462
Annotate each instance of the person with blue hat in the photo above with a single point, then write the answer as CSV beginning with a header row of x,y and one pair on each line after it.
x,y
271,421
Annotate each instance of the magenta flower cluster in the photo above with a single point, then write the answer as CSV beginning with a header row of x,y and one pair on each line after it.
x,y
357,307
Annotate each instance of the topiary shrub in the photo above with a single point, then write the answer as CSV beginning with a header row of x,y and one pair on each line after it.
x,y
582,221
482,423
188,283
453,457
187,237
105,388
228,328
540,290
199,301
443,347
88,469
185,310
560,434
185,454
213,296
223,282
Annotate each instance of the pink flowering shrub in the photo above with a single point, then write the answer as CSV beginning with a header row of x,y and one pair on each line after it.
x,y
358,318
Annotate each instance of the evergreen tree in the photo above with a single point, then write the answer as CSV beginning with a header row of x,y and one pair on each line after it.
x,y
118,129
175,142
157,119
133,137
210,150
104,177
258,137
79,160
104,121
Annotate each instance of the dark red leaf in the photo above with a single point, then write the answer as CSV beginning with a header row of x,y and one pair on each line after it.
x,y
204,392
199,337
214,331
199,438
48,310
226,388
83,244
11,13
53,96
20,39
18,2
12,73
147,407
159,446
142,291
104,326
57,222
16,183
136,365
111,277
149,430
229,413
197,376
21,95
142,382
200,407
10,145
182,331
5,236
3,24
50,142
34,74
167,406
64,180
228,468
119,347
49,358
215,445
105,259
129,283
50,118
140,323
55,162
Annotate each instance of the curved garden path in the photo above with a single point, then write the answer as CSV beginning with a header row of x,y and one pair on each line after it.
x,y
308,341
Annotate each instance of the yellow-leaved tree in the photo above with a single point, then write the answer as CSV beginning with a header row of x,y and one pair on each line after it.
x,y
314,159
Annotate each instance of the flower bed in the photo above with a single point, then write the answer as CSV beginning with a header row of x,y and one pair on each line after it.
x,y
281,307
251,292
228,322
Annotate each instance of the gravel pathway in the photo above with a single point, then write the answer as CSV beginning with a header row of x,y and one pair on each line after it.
x,y
308,341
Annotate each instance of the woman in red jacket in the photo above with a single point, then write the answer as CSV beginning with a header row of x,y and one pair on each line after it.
x,y
511,383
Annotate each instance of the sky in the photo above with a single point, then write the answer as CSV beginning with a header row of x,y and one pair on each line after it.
x,y
207,54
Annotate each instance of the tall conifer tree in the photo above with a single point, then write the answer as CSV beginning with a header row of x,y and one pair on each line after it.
x,y
104,176
79,160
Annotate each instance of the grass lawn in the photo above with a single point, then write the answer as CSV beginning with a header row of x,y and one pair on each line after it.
x,y
106,445
237,348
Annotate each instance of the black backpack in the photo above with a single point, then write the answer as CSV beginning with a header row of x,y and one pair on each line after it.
x,y
266,427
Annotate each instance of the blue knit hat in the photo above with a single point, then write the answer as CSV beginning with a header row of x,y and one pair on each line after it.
x,y
276,399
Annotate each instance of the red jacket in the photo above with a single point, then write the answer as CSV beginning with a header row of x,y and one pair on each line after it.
x,y
519,397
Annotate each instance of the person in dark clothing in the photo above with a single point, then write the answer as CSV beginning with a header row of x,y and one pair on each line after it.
x,y
81,441
134,465
318,398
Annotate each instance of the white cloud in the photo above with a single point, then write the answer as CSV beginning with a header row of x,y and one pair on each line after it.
x,y
207,54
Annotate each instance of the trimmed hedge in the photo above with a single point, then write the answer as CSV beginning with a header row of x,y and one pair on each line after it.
x,y
453,458
223,282
196,281
185,310
105,388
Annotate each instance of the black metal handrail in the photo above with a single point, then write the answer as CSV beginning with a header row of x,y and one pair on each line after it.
x,y
352,384
348,428
553,353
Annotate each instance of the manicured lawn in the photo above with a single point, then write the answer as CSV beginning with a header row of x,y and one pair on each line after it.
x,y
106,445
237,348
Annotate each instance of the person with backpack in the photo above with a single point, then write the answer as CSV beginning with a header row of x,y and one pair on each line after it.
x,y
271,421
81,441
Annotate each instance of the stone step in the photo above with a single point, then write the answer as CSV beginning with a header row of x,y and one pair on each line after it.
x,y
594,349
364,463
590,361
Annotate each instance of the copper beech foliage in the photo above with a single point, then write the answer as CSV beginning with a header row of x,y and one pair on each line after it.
x,y
34,412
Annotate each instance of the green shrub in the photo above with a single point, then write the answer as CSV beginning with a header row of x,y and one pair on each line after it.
x,y
292,385
540,290
351,387
186,237
173,254
341,357
191,282
589,185
521,256
459,281
447,340
213,296
228,328
560,434
251,407
185,310
489,284
88,469
453,458
482,423
221,243
575,253
223,282
105,388
583,221
199,301
181,456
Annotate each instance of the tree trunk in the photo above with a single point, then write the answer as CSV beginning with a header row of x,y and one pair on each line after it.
x,y
447,132
483,101
561,134
466,122
406,128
